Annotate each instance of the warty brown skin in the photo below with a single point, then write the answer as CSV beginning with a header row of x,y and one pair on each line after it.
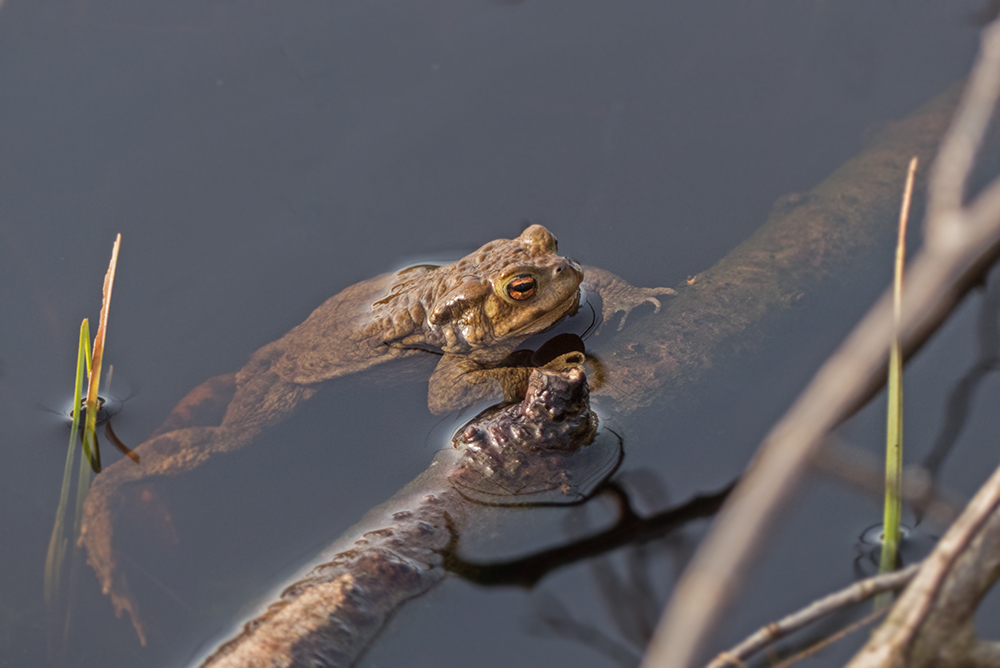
x,y
461,310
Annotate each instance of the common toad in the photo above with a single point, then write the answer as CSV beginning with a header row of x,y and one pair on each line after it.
x,y
473,313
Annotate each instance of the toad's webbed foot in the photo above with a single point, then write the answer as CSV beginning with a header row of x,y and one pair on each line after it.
x,y
618,296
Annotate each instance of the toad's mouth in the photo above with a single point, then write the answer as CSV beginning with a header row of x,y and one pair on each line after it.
x,y
547,317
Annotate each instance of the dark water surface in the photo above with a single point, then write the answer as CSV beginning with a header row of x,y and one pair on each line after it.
x,y
260,156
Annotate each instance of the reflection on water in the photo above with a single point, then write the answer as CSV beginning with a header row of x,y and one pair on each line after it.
x,y
261,157
960,399
402,548
626,585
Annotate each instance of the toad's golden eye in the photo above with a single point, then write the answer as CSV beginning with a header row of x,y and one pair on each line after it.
x,y
522,287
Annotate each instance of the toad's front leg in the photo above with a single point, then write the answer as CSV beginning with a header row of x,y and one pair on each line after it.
x,y
618,296
458,382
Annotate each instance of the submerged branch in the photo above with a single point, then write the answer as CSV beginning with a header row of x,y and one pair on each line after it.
x,y
810,238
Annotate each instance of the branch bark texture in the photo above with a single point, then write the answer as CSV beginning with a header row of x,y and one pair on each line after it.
x,y
932,623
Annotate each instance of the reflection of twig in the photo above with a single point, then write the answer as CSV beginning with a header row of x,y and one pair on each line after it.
x,y
630,597
558,620
959,401
962,242
856,593
630,528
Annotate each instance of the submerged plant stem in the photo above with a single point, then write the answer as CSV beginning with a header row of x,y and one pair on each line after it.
x,y
57,543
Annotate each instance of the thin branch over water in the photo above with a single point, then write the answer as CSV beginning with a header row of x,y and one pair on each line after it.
x,y
961,245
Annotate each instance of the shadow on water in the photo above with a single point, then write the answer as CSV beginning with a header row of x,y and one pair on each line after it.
x,y
532,448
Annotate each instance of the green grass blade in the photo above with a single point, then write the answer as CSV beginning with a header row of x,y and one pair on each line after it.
x,y
85,327
85,331
82,487
892,514
57,542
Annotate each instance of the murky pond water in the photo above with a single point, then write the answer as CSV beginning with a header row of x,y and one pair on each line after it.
x,y
259,157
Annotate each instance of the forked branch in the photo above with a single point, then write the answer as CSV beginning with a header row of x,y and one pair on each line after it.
x,y
961,243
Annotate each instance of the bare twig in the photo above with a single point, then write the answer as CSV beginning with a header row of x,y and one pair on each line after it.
x,y
856,593
829,640
960,245
943,597
946,191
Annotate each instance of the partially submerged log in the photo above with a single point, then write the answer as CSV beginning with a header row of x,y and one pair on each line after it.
x,y
545,448
809,239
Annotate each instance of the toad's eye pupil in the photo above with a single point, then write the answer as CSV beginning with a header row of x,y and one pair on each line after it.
x,y
522,287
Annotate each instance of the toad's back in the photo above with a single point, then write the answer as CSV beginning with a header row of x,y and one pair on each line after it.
x,y
489,300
